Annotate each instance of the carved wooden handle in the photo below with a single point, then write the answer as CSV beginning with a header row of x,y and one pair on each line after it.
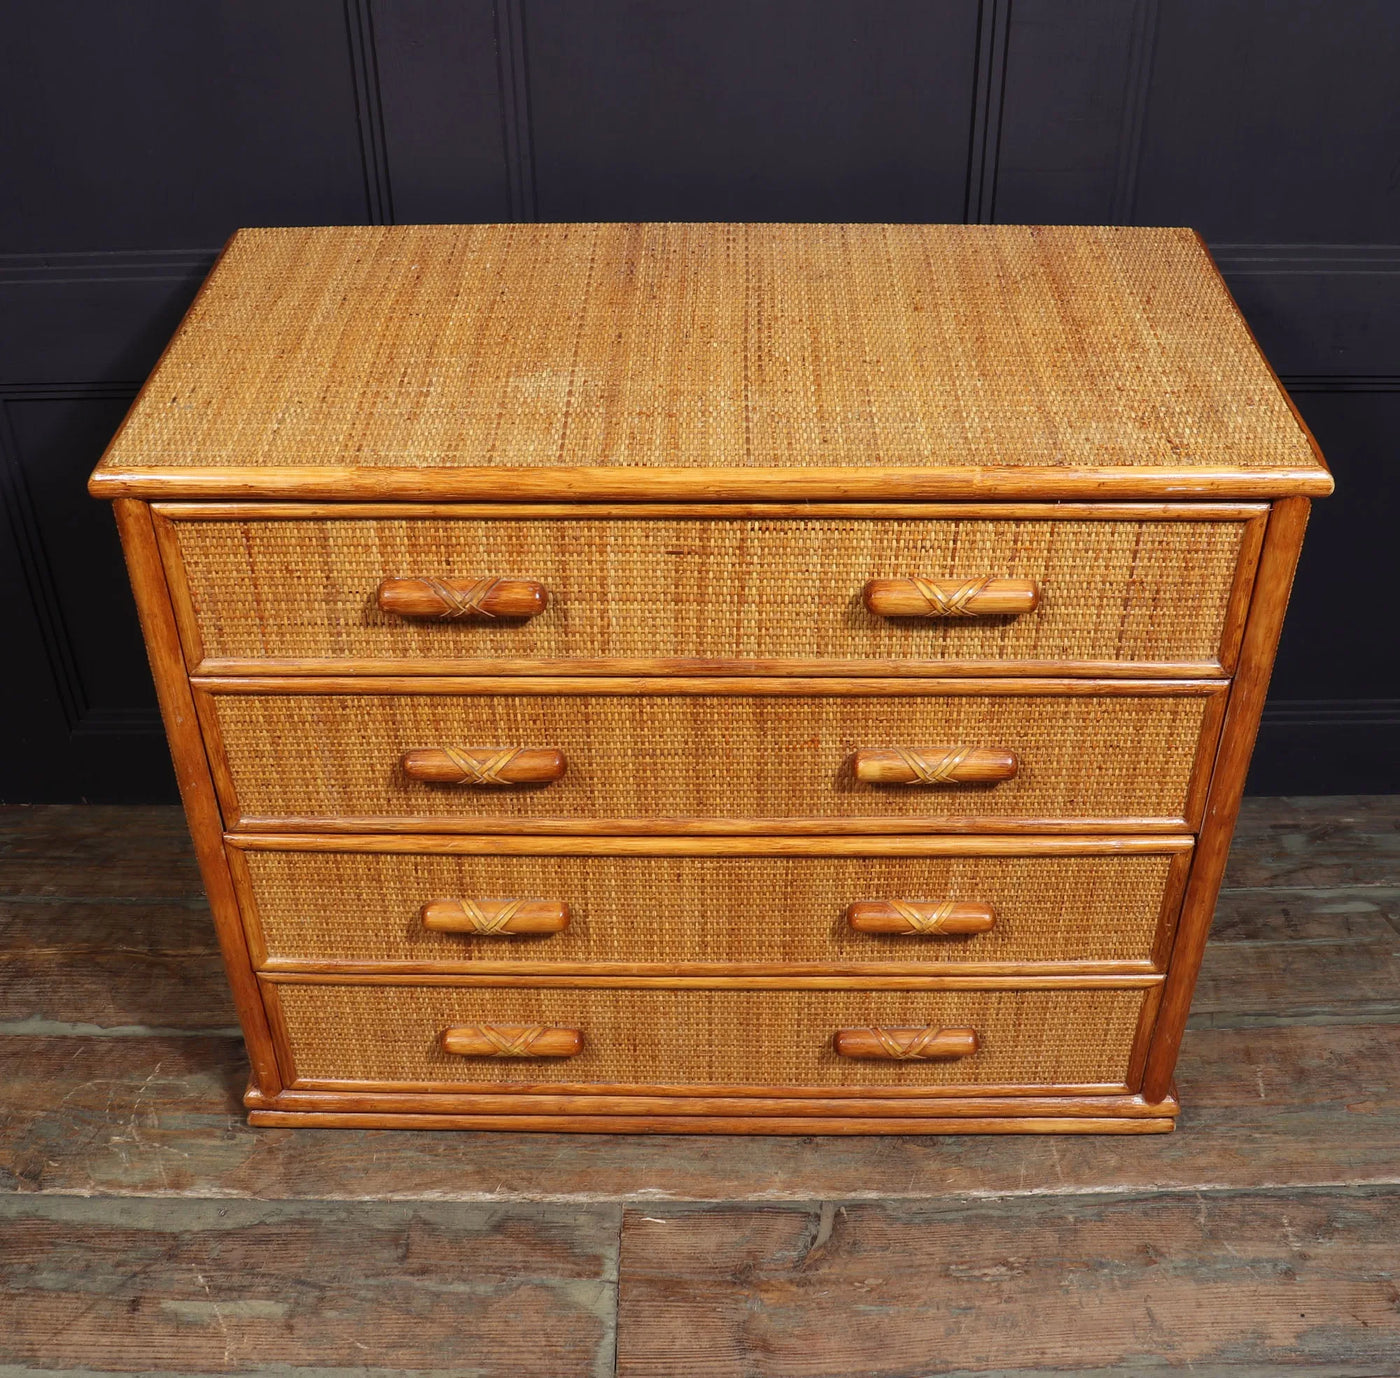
x,y
920,917
484,765
906,1045
934,765
915,597
494,917
491,599
512,1040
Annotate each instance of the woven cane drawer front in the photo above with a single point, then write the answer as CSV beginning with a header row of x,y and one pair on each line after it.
x,y
714,1038
362,907
744,589
657,757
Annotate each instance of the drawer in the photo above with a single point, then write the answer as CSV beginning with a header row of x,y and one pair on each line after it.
x,y
357,1036
364,909
717,755
1120,591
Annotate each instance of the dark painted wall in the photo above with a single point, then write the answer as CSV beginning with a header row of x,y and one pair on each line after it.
x,y
138,136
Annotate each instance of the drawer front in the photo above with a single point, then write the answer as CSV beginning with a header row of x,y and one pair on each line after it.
x,y
736,761
358,907
749,590
758,1039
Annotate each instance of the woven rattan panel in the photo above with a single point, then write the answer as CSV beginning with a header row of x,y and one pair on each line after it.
x,y
1111,590
710,1037
365,907
727,345
659,756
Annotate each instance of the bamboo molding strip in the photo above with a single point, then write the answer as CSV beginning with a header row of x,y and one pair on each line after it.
x,y
836,845
563,484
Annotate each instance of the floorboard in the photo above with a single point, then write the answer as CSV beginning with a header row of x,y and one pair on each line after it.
x,y
227,1286
144,1227
1162,1284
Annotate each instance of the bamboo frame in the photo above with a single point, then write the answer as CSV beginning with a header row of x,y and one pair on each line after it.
x,y
1271,501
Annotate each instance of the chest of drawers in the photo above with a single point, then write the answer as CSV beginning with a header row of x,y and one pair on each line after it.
x,y
712,677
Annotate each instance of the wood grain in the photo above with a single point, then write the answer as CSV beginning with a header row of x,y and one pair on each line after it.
x,y
218,1286
946,483
921,918
934,765
495,916
511,1040
1306,1105
710,511
916,597
1258,1284
484,765
463,600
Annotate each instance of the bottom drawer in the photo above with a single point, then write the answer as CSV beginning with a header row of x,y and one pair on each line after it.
x,y
747,1041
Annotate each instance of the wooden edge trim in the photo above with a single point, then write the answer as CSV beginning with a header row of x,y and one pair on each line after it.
x,y
221,668
737,686
684,1103
1198,785
193,774
1241,590
799,972
248,906
1142,1038
281,1036
992,826
874,511
301,976
1264,359
847,1100
178,584
208,714
656,1124
1178,874
1279,560
884,845
502,483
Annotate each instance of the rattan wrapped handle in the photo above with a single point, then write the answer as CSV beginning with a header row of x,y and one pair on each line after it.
x,y
906,1045
915,597
512,1040
919,917
495,917
934,765
484,765
492,599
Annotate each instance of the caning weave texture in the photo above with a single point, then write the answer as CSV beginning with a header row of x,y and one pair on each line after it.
x,y
652,756
713,345
710,1037
365,907
750,588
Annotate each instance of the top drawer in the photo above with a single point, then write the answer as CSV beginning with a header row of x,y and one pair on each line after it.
x,y
1123,589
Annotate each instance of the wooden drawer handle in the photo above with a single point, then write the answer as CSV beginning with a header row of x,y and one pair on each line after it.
x,y
906,1045
512,1040
915,597
934,765
919,917
494,917
464,600
484,765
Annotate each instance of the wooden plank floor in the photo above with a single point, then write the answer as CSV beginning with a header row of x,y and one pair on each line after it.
x,y
145,1228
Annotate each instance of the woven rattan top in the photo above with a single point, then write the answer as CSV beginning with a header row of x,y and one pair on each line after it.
x,y
932,360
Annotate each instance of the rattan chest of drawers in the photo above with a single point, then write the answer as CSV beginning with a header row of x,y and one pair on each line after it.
x,y
712,677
